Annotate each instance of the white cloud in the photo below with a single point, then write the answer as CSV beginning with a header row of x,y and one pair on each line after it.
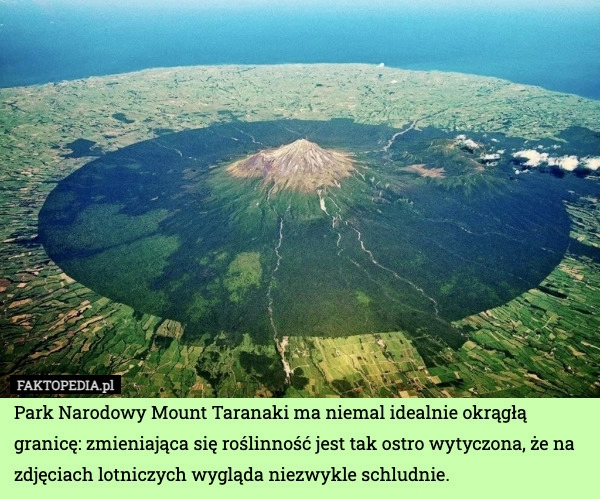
x,y
490,157
592,163
568,163
533,157
464,141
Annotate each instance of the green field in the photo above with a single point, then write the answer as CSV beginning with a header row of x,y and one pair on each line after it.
x,y
537,338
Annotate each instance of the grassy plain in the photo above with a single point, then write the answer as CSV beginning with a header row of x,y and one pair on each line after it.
x,y
545,342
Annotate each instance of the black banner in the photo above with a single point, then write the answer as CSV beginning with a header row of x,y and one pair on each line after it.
x,y
31,384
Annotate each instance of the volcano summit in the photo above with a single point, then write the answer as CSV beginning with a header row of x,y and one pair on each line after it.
x,y
301,165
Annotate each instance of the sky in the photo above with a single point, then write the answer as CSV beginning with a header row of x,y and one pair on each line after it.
x,y
449,7
329,4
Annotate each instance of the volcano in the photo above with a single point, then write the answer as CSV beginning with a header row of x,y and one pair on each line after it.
x,y
300,166
308,228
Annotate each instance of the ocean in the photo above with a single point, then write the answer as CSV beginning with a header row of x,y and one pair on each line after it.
x,y
557,49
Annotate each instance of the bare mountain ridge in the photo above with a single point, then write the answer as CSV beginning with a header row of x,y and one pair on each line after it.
x,y
301,166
